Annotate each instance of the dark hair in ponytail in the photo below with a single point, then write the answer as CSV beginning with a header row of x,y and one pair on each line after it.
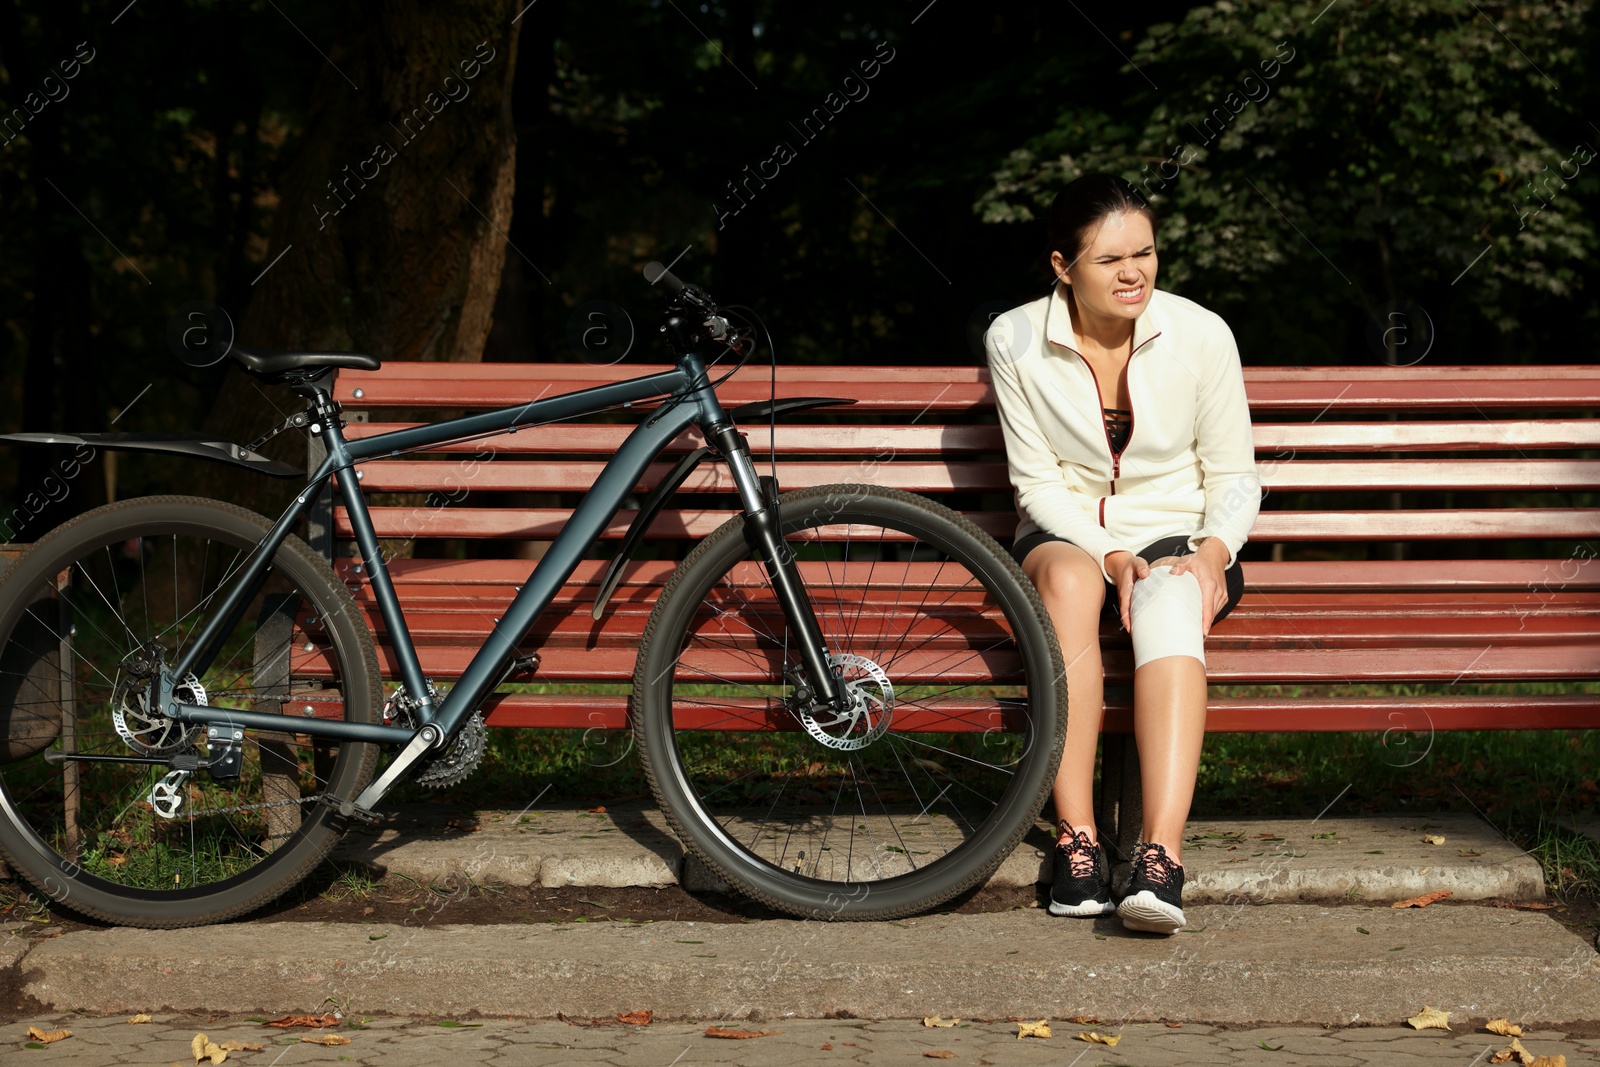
x,y
1083,203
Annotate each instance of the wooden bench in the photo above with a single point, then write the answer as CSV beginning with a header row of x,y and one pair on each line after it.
x,y
1423,524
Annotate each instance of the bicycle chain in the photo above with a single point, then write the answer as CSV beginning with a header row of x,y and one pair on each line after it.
x,y
253,807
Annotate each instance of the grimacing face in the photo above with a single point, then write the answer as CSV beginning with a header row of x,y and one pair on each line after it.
x,y
1116,273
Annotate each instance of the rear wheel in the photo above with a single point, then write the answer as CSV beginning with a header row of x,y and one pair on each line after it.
x,y
87,616
939,766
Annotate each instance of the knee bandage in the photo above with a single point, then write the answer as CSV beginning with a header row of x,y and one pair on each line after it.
x,y
1166,617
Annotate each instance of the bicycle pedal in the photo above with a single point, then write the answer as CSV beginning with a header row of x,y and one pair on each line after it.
x,y
350,810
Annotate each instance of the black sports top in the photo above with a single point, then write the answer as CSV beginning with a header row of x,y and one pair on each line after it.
x,y
1119,424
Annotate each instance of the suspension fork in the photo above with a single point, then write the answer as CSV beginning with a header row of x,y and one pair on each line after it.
x,y
763,531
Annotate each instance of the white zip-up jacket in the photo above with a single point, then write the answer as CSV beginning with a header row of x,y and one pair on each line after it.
x,y
1189,465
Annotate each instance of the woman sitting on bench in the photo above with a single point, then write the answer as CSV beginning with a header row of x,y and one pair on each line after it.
x,y
1129,445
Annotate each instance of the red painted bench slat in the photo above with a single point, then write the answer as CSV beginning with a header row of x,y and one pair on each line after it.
x,y
1273,439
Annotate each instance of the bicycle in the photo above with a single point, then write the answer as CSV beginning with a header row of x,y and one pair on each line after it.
x,y
192,708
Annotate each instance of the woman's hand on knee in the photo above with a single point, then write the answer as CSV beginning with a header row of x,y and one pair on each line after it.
x,y
1125,568
1207,564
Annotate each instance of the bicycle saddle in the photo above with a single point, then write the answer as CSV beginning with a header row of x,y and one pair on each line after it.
x,y
271,362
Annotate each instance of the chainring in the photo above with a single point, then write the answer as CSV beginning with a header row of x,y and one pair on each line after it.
x,y
459,759
457,762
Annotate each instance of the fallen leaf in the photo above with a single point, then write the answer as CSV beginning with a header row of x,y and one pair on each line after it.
x,y
206,1049
1270,1048
1172,1026
1503,1027
1557,1060
940,1054
1468,852
1085,1020
1433,839
934,1020
1100,1039
637,1018
1038,1029
599,810
1423,901
1430,1018
46,1037
1513,1051
242,1046
739,1035
304,1020
324,1039
140,1018
827,1046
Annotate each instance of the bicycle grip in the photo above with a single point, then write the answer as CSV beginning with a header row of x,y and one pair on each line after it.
x,y
655,272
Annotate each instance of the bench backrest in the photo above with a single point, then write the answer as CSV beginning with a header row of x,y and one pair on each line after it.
x,y
1433,433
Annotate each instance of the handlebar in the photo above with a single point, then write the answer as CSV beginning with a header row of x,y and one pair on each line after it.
x,y
708,321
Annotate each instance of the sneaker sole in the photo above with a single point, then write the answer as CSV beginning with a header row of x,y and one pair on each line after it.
x,y
1087,910
1145,912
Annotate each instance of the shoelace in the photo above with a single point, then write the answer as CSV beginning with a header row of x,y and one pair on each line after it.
x,y
1082,855
1158,867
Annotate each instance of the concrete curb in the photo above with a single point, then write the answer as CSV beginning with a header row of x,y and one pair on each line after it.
x,y
1290,963
1378,858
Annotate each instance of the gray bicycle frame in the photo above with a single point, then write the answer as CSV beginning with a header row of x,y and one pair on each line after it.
x,y
688,400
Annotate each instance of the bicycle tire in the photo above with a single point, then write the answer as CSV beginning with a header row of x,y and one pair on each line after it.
x,y
962,686
83,613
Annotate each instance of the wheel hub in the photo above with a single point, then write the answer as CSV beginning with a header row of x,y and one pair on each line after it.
x,y
869,710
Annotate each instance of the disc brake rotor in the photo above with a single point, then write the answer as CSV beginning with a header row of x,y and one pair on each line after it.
x,y
147,732
868,714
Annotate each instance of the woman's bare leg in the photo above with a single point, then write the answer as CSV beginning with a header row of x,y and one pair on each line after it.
x,y
1169,722
1073,589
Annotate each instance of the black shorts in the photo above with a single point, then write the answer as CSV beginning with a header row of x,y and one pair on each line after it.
x,y
1167,546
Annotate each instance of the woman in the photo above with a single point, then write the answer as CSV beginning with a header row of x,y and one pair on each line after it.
x,y
1128,440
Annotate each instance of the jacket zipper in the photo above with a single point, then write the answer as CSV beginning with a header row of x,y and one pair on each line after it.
x,y
1116,455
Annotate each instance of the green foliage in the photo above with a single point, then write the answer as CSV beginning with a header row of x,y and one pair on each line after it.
x,y
1363,156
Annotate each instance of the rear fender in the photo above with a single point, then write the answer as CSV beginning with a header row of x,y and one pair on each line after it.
x,y
197,445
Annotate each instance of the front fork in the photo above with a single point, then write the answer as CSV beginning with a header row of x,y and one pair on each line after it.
x,y
764,533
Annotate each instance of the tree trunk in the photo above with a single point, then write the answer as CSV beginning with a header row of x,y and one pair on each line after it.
x,y
390,234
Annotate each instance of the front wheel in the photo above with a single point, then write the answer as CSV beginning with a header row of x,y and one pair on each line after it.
x,y
940,764
87,616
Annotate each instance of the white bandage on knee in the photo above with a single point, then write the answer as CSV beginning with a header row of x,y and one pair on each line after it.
x,y
1166,617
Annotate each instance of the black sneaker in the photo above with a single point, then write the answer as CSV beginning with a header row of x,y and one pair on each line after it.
x,y
1081,877
1154,902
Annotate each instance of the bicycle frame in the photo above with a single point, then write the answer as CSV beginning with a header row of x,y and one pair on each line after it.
x,y
689,400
